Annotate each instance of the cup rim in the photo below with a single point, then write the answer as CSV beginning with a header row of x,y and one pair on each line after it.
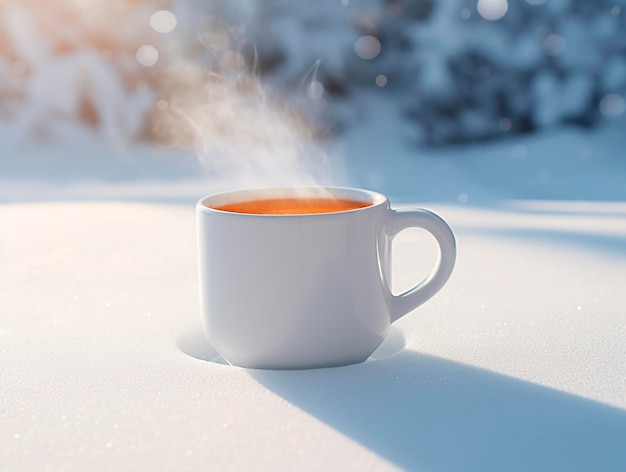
x,y
363,195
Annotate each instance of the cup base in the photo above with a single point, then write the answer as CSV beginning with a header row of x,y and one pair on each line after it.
x,y
194,343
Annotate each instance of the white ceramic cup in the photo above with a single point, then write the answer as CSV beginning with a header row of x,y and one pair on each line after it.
x,y
307,291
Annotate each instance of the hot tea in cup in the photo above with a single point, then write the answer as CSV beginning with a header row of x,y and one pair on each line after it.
x,y
293,206
294,278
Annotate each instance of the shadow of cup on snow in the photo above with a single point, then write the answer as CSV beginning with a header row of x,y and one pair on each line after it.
x,y
428,413
424,412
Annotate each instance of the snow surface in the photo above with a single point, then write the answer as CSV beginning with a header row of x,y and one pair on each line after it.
x,y
518,364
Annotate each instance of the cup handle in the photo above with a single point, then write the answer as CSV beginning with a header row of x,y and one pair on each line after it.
x,y
399,220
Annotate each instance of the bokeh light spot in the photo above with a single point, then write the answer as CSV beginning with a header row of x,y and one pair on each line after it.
x,y
147,55
367,47
612,105
381,80
466,14
492,10
505,124
163,21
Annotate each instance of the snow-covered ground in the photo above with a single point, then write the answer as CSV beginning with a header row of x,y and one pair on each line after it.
x,y
518,364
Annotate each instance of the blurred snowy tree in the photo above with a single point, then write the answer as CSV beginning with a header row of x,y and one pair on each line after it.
x,y
473,69
75,60
492,68
464,69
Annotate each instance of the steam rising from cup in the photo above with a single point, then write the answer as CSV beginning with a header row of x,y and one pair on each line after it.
x,y
243,135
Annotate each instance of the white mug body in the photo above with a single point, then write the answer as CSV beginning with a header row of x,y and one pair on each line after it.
x,y
296,291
